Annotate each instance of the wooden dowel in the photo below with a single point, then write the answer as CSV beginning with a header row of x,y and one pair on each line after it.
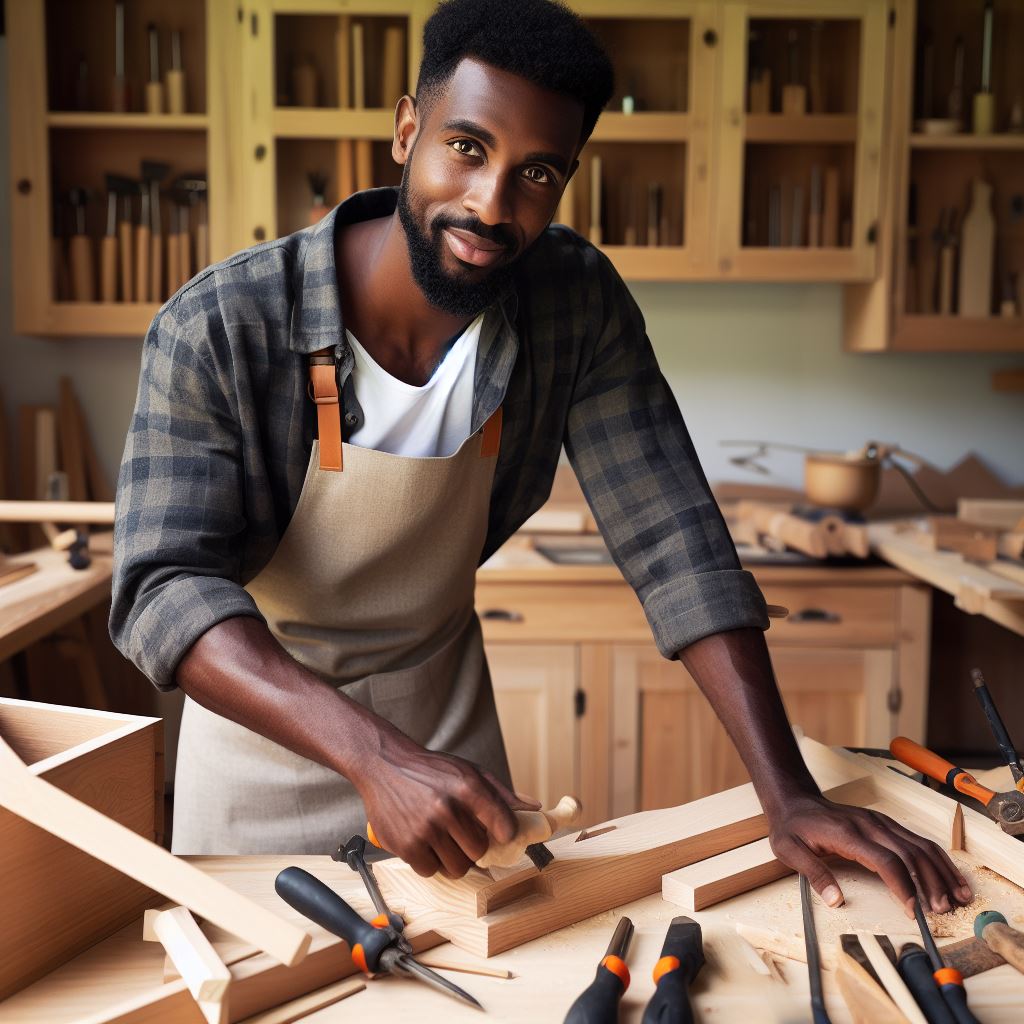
x,y
96,513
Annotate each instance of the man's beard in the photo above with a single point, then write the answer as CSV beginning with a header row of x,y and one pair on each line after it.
x,y
451,293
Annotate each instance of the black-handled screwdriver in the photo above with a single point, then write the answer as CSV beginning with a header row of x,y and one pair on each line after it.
x,y
915,968
598,1003
949,980
376,946
682,957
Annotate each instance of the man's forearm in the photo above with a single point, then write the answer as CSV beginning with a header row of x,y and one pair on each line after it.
x,y
238,670
734,672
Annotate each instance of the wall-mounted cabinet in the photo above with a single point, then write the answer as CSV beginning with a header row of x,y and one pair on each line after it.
x,y
119,158
952,247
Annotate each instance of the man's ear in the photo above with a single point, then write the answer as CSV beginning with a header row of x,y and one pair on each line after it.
x,y
406,127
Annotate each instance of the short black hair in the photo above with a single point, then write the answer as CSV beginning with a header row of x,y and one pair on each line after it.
x,y
539,40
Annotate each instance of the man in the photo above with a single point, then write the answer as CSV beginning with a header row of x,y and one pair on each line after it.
x,y
314,599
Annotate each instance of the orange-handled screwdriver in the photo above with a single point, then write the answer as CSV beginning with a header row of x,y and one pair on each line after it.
x,y
1006,808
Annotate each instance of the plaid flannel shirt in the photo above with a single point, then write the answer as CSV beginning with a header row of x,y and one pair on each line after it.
x,y
222,431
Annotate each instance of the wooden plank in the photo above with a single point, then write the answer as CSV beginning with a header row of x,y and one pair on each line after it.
x,y
190,951
304,1005
866,1000
75,822
606,870
891,981
96,513
719,878
69,436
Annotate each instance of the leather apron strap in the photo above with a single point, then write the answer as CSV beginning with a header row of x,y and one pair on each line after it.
x,y
323,389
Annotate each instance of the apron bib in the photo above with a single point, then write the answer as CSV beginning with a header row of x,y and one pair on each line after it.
x,y
371,588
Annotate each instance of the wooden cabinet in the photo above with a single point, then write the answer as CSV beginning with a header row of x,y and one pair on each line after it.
x,y
585,697
935,152
70,143
799,127
290,108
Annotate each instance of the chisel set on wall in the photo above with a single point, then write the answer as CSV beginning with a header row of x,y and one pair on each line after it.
x,y
154,237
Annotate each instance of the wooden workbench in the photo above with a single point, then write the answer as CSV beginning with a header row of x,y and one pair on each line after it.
x,y
548,972
54,595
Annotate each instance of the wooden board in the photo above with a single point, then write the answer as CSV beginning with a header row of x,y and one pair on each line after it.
x,y
61,815
484,916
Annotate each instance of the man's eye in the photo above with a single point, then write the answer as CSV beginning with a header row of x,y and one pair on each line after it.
x,y
463,146
537,174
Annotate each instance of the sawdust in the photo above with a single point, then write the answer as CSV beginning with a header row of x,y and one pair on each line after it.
x,y
958,923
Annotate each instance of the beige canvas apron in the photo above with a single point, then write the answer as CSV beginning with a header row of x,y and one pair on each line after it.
x,y
371,587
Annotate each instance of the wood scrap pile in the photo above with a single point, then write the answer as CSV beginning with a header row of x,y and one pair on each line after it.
x,y
780,526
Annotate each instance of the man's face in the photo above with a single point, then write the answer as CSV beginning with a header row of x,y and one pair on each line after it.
x,y
493,153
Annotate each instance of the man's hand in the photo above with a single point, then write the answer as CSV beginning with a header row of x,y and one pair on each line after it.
x,y
435,811
811,827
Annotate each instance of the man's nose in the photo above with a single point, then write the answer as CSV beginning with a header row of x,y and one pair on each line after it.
x,y
490,199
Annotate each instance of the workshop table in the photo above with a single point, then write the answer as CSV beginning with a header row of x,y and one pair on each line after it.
x,y
54,595
549,971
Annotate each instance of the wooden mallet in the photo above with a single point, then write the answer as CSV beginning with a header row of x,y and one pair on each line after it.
x,y
991,927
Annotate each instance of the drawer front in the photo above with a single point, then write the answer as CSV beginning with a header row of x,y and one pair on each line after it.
x,y
835,616
571,612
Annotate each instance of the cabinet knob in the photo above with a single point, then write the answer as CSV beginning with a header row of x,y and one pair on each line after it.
x,y
261,151
501,615
710,37
259,233
24,186
814,615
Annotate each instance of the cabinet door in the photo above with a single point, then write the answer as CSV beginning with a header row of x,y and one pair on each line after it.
x,y
800,139
535,689
669,746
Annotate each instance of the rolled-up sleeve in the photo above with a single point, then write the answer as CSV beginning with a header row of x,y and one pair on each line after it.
x,y
630,449
180,516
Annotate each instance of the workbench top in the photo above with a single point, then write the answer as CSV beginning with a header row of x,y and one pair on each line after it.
x,y
548,972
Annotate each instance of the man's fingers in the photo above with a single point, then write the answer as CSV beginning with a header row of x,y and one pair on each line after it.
x,y
885,863
517,801
492,810
469,834
794,853
952,881
454,862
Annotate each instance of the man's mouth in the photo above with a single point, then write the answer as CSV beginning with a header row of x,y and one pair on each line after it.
x,y
472,249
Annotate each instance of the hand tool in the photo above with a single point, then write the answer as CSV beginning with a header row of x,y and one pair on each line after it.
x,y
818,1013
318,186
195,185
949,980
1006,808
142,245
125,187
984,101
175,77
61,281
956,93
154,173
377,947
184,200
991,927
682,957
598,1003
1006,746
353,853
534,827
916,971
947,264
173,239
108,246
154,87
119,95
83,279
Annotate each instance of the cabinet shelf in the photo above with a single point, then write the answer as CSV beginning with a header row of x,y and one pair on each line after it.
x,y
98,319
644,127
923,332
826,128
967,142
127,122
333,123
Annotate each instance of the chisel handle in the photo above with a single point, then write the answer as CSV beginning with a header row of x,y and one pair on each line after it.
x,y
916,971
108,268
311,898
923,760
951,985
598,1003
682,957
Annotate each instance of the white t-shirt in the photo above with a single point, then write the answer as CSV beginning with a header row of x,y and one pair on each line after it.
x,y
421,422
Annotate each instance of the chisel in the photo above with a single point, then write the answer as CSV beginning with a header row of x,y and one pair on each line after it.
x,y
949,980
1006,747
916,971
175,77
125,187
818,1013
108,246
682,957
83,279
153,173
154,87
598,1003
142,243
119,92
